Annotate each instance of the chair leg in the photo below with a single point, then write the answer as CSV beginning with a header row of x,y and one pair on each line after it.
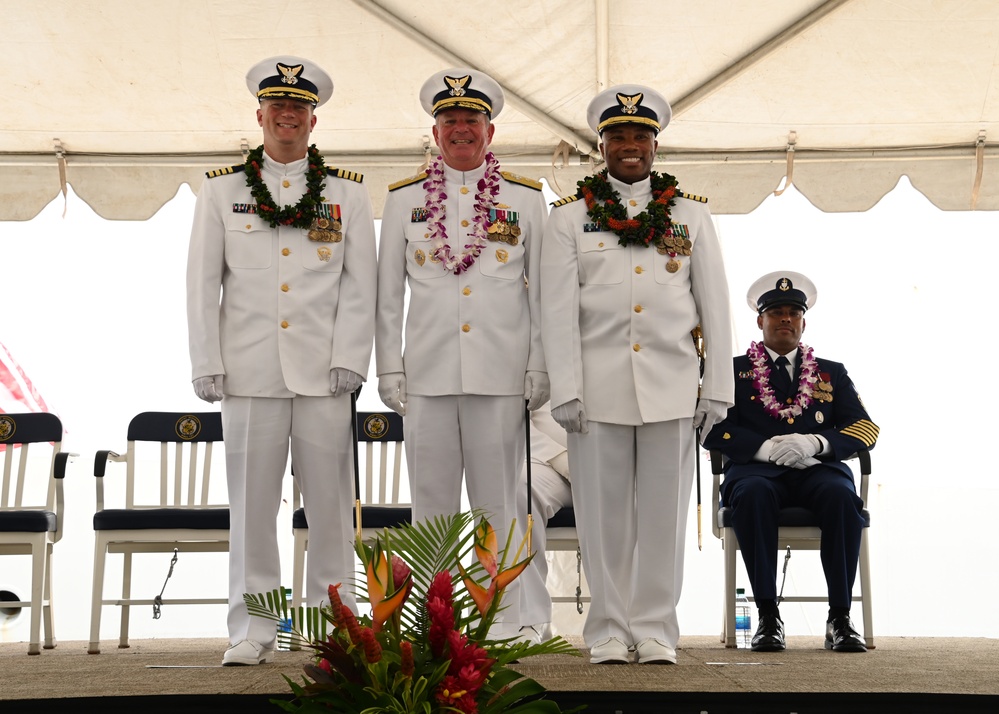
x,y
48,618
730,547
97,595
38,560
126,596
298,574
865,590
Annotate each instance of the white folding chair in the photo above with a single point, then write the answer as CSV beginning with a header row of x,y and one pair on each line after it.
x,y
798,528
175,509
31,508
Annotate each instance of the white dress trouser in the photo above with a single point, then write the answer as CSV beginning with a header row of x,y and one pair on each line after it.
x,y
631,493
257,431
483,438
549,493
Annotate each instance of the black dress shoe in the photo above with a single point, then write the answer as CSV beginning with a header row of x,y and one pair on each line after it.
x,y
769,635
842,637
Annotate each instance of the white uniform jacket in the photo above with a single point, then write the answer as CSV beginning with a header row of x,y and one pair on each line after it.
x,y
616,323
477,332
291,308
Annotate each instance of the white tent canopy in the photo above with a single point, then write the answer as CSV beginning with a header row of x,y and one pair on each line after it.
x,y
127,100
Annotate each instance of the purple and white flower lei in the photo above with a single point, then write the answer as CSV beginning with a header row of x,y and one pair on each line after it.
x,y
761,380
487,190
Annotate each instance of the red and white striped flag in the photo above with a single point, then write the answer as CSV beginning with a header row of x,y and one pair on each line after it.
x,y
17,393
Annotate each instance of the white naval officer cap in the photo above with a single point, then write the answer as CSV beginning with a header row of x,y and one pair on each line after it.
x,y
464,88
783,287
628,104
290,77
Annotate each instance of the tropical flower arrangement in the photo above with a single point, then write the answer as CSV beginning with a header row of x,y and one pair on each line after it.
x,y
426,645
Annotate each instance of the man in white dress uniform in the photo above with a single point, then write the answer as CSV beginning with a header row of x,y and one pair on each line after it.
x,y
289,244
630,266
466,237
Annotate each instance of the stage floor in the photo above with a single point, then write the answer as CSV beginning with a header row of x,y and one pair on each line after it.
x,y
918,674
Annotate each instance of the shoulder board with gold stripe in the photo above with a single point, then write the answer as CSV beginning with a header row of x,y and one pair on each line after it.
x,y
344,174
408,181
562,202
522,180
236,168
692,197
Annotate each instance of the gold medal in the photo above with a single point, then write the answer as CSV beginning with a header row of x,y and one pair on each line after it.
x,y
322,223
515,231
336,225
493,228
661,249
335,236
318,235
672,265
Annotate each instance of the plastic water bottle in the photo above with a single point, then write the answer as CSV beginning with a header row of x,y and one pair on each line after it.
x,y
743,623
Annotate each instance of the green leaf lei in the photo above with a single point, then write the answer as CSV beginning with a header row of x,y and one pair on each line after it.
x,y
303,213
604,206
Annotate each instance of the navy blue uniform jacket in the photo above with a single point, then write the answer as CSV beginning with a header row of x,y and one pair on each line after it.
x,y
842,421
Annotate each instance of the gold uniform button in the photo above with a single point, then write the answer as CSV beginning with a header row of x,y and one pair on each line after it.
x,y
466,291
285,251
284,288
636,347
638,269
286,183
248,226
638,308
284,324
464,223
464,189
633,202
466,328
600,244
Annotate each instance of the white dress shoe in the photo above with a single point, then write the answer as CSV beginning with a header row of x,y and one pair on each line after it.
x,y
653,651
247,652
535,634
609,651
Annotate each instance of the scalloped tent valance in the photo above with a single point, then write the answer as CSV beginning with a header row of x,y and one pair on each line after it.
x,y
127,101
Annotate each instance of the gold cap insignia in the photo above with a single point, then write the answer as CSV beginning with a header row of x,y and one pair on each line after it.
x,y
289,74
457,84
629,105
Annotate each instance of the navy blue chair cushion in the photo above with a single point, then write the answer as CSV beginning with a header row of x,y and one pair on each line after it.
x,y
120,519
563,518
372,516
27,521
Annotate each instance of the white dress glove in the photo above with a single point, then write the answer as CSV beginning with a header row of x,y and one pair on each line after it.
x,y
792,449
708,413
209,388
536,389
344,381
392,390
571,416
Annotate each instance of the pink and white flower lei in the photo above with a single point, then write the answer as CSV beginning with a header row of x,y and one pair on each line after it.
x,y
761,380
487,190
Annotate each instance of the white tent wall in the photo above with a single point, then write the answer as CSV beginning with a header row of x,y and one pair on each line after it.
x,y
139,97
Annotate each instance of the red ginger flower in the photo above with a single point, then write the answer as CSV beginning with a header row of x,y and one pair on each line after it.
x,y
372,650
351,623
406,664
440,609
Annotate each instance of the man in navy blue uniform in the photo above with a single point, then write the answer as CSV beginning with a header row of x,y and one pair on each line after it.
x,y
796,417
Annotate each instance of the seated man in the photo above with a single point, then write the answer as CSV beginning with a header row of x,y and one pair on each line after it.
x,y
796,417
550,492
